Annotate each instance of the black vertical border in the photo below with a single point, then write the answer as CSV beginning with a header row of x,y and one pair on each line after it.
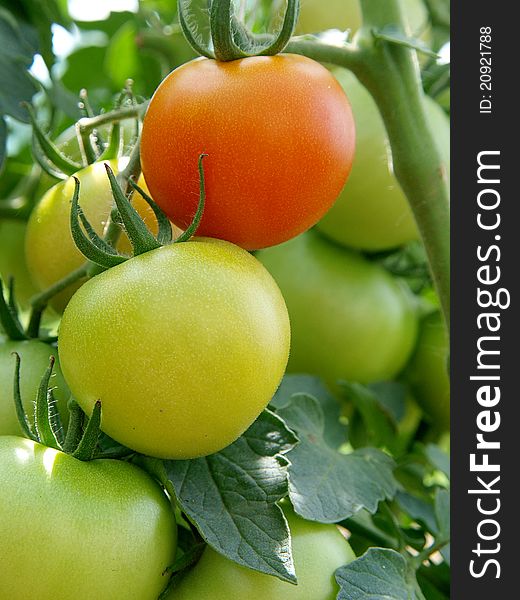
x,y
472,133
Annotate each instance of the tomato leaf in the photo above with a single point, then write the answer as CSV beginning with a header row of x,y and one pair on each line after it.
x,y
419,510
231,497
335,432
381,574
326,485
379,425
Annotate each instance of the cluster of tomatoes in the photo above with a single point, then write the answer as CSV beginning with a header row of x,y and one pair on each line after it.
x,y
185,345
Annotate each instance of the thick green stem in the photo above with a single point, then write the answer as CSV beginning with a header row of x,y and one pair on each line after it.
x,y
390,72
40,301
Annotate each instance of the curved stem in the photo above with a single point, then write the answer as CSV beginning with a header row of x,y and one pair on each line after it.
x,y
40,301
88,124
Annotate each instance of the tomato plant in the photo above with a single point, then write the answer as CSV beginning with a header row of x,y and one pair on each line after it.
x,y
174,347
105,519
50,250
318,551
428,371
216,335
35,357
270,174
372,212
349,318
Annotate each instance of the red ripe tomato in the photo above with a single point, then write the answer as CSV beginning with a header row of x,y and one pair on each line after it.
x,y
279,135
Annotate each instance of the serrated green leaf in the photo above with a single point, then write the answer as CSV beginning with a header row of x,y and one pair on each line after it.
x,y
379,424
391,395
335,431
324,484
380,574
231,497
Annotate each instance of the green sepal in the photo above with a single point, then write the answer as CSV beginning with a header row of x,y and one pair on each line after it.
x,y
88,444
43,161
18,403
102,254
50,150
140,237
33,327
55,418
11,298
194,225
44,408
75,428
232,41
192,37
9,317
164,232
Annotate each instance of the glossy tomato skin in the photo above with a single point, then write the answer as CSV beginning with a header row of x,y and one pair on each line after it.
x,y
318,550
279,136
12,260
50,250
35,357
350,319
184,346
75,530
372,212
428,371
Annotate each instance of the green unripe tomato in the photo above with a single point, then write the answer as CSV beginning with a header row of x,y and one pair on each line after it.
x,y
319,15
50,250
12,259
318,550
35,357
350,319
184,346
428,371
80,530
372,212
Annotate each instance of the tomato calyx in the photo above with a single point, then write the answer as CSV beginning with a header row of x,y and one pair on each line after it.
x,y
100,252
230,38
82,437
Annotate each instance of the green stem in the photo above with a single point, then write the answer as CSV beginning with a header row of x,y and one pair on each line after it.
x,y
390,72
427,552
40,301
347,55
87,125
